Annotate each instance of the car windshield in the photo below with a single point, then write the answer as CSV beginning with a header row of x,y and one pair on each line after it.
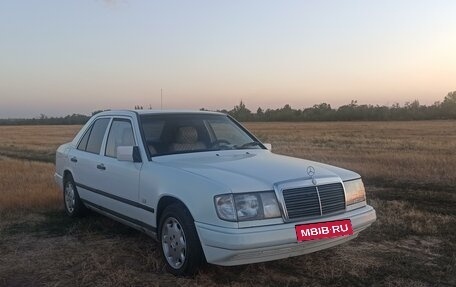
x,y
183,133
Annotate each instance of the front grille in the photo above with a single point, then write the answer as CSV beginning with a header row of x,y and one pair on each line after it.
x,y
314,200
332,197
301,202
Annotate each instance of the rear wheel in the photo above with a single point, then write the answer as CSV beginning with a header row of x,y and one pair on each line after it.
x,y
181,248
72,203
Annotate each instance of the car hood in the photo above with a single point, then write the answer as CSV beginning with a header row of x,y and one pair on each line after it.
x,y
253,170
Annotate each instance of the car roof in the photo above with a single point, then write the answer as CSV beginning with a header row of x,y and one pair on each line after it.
x,y
154,112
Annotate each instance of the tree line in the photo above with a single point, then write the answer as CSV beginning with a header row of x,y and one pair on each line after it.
x,y
351,112
74,119
319,112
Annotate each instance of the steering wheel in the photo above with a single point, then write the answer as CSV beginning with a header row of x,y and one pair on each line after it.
x,y
219,141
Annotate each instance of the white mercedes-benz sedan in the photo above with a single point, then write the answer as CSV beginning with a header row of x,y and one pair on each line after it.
x,y
207,189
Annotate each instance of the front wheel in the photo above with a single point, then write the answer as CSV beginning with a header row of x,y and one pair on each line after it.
x,y
181,248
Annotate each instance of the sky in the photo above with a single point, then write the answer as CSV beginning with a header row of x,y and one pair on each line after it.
x,y
63,57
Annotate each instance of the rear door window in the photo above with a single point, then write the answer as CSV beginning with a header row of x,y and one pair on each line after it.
x,y
96,135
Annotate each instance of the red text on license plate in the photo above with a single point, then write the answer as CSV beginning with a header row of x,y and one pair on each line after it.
x,y
321,230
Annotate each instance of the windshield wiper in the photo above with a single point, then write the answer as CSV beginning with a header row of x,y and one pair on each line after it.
x,y
249,144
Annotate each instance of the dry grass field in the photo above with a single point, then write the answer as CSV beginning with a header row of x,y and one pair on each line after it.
x,y
410,173
34,142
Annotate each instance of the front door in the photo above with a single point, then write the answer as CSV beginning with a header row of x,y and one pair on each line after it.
x,y
120,179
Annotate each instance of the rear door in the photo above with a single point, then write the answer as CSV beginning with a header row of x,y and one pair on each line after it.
x,y
85,160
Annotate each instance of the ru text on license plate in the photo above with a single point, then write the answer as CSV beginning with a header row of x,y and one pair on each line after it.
x,y
320,230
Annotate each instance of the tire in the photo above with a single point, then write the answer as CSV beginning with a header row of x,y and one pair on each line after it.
x,y
180,245
72,203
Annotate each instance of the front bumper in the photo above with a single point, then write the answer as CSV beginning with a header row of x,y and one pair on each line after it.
x,y
237,246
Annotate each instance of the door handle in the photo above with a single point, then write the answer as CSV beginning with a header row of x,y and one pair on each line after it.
x,y
101,166
74,159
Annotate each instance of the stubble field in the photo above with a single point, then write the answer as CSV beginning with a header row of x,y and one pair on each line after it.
x,y
410,173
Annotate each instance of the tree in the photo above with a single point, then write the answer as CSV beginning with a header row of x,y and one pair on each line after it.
x,y
286,113
259,114
415,105
241,113
449,105
318,112
348,112
450,98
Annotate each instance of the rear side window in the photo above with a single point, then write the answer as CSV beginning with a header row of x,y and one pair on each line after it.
x,y
120,134
83,143
96,135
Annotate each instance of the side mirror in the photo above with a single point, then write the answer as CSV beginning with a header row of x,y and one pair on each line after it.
x,y
268,146
128,153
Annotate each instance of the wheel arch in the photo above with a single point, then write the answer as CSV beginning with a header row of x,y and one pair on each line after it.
x,y
166,201
66,174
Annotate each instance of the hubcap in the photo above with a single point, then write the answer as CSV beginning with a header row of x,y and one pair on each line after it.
x,y
69,197
173,242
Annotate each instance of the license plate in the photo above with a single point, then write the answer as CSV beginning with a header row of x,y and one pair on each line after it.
x,y
320,230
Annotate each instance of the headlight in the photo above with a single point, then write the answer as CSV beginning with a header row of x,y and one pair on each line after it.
x,y
225,207
247,206
354,191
